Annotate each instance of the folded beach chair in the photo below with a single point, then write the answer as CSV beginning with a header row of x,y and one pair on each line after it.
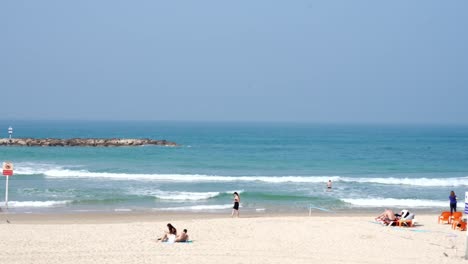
x,y
444,217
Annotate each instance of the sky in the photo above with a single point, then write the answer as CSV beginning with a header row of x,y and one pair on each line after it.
x,y
332,61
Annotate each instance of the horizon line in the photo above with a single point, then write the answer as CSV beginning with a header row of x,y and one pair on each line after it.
x,y
241,121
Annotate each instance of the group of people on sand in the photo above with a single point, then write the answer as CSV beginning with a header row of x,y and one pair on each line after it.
x,y
171,235
388,216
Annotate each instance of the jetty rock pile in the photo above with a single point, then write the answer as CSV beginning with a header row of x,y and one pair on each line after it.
x,y
82,142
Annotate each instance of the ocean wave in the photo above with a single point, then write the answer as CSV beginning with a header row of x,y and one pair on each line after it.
x,y
183,177
392,202
185,196
32,168
196,208
425,182
37,203
60,172
180,195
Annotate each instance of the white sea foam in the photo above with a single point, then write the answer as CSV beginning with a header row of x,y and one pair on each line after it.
x,y
180,196
426,182
185,196
52,171
185,177
31,168
34,168
391,202
462,181
37,203
197,208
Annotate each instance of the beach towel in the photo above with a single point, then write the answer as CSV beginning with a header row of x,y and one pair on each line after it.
x,y
188,241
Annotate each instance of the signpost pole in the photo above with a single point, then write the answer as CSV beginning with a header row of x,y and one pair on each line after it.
x,y
7,171
6,192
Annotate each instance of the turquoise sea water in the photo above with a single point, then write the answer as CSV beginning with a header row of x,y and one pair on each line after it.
x,y
277,167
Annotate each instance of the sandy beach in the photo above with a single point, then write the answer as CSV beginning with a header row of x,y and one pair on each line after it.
x,y
131,238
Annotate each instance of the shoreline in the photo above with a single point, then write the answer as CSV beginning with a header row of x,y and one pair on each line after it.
x,y
132,217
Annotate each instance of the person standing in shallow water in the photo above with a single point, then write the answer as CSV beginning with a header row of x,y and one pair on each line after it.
x,y
235,208
453,202
329,184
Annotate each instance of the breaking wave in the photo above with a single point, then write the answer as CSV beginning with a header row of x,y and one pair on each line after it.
x,y
390,202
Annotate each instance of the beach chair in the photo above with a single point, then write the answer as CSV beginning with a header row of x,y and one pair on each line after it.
x,y
456,216
444,217
405,222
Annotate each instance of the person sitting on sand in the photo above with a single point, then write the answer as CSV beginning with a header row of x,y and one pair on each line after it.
x,y
169,235
182,237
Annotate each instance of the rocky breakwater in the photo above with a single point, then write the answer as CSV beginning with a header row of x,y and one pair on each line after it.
x,y
83,142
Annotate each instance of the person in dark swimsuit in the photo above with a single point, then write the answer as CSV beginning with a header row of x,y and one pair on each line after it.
x,y
235,208
453,202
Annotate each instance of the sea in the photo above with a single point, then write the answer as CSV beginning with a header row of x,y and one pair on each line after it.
x,y
276,167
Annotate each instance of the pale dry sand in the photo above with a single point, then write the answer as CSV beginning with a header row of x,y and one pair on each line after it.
x,y
122,238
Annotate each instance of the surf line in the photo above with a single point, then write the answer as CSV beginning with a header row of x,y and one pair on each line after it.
x,y
318,208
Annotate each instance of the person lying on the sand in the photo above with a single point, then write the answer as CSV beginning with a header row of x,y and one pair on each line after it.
x,y
388,215
169,235
182,237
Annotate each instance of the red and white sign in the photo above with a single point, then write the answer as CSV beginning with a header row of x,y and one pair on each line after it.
x,y
7,168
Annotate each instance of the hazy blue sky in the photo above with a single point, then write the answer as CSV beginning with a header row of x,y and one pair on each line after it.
x,y
313,61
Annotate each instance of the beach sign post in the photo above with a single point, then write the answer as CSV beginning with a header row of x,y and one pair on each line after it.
x,y
7,171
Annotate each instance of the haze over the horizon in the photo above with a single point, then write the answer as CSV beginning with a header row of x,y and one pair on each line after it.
x,y
300,61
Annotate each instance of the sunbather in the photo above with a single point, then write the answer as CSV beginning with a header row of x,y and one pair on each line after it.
x,y
182,237
170,234
388,218
387,214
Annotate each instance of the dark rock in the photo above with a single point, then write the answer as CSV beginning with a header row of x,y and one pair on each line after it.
x,y
82,142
